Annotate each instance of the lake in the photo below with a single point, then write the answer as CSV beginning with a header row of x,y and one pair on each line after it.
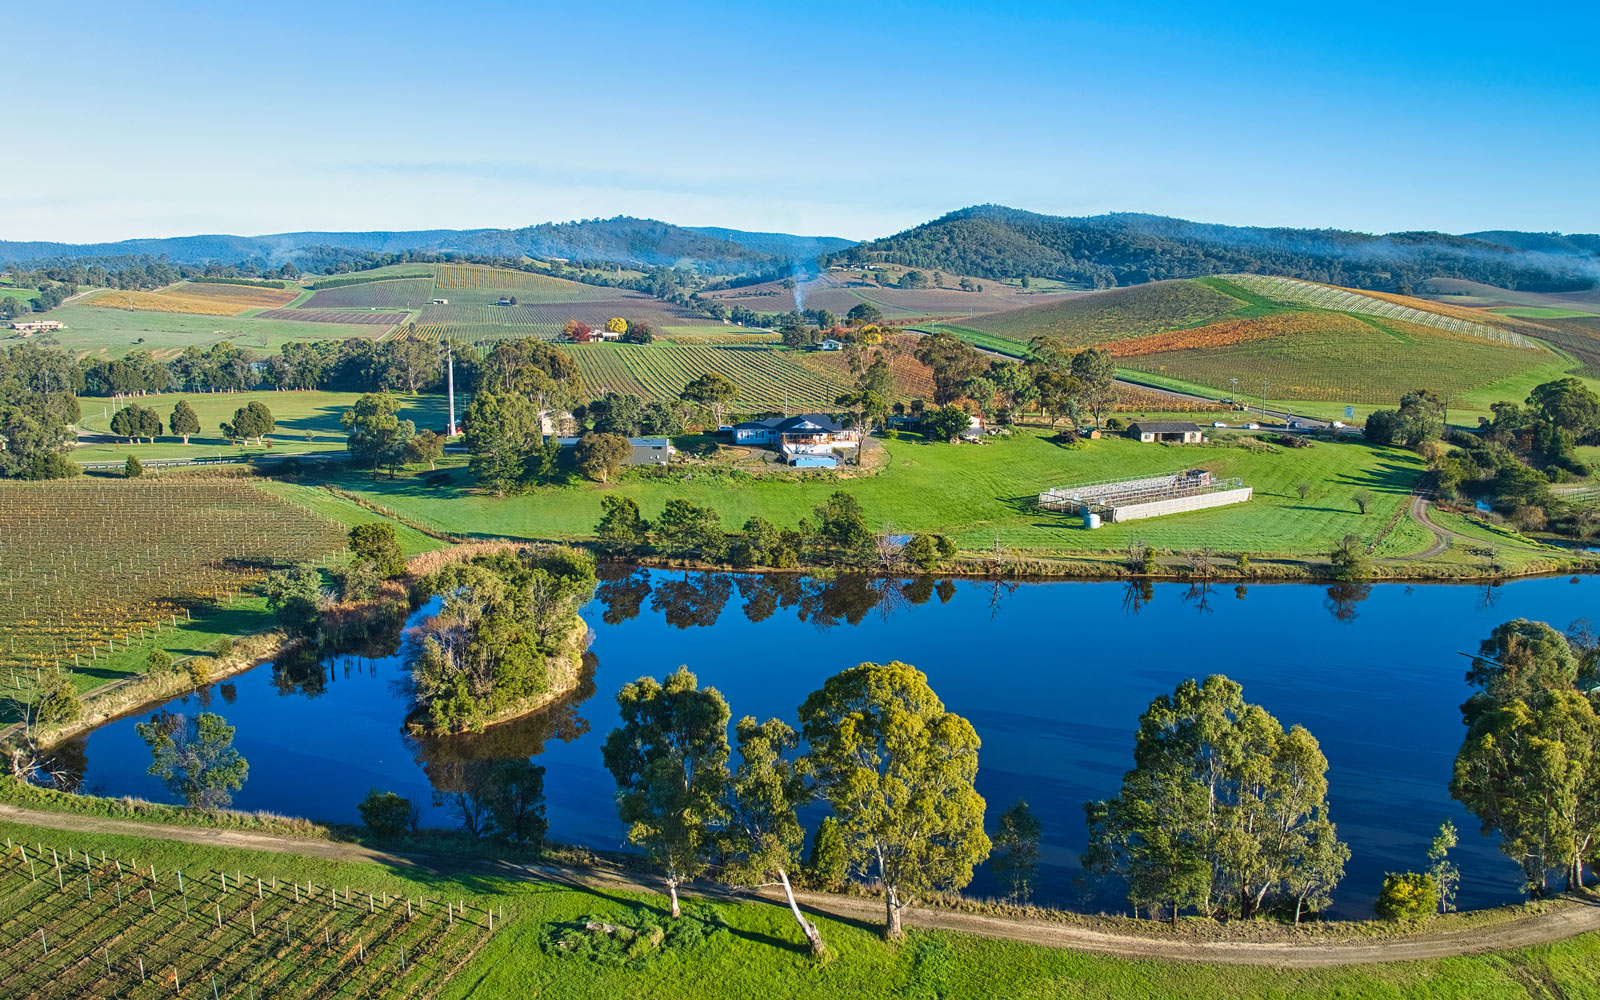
x,y
1053,675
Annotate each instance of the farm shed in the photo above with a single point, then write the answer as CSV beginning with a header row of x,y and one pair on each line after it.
x,y
1166,432
1149,496
830,345
35,325
646,450
441,302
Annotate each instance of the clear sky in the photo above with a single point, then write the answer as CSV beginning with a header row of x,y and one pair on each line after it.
x,y
155,119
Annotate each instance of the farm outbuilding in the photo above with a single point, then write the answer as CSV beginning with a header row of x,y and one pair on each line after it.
x,y
1118,500
646,450
1166,432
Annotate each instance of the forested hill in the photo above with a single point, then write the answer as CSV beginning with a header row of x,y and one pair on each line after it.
x,y
621,240
1126,249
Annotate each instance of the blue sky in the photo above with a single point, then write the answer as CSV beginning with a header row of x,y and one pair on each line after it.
x,y
854,120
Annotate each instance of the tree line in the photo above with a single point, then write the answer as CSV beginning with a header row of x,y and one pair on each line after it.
x,y
1512,459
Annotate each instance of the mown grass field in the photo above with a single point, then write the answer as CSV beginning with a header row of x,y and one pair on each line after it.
x,y
308,421
111,333
975,493
751,949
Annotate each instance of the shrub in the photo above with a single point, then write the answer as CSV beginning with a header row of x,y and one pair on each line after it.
x,y
921,552
158,661
200,670
1114,424
828,866
385,814
223,647
133,468
1407,896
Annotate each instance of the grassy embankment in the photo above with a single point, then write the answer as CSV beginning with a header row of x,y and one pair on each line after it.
x,y
755,954
978,493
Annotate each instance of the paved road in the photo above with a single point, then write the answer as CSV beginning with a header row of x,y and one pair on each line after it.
x,y
1554,922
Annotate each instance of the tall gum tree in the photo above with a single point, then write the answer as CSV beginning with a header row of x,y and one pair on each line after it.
x,y
764,834
670,761
898,771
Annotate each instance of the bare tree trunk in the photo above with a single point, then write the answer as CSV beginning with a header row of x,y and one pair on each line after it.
x,y
810,929
891,928
672,891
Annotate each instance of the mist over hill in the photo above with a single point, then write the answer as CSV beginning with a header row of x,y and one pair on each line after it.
x,y
986,241
1126,249
622,240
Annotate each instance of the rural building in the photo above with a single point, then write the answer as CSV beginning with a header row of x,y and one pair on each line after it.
x,y
806,440
1166,432
504,301
646,450
441,302
37,325
1149,496
830,345
607,334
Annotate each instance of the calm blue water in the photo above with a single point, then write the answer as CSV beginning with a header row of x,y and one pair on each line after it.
x,y
1053,675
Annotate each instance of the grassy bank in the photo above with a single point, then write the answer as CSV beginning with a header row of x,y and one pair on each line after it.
x,y
749,949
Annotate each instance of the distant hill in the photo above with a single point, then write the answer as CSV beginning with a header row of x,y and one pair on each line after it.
x,y
623,240
797,248
1129,249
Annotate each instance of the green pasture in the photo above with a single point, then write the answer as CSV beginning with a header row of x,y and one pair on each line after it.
x,y
752,950
307,421
112,333
976,493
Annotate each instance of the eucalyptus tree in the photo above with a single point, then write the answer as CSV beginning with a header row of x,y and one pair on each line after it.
x,y
763,833
898,771
670,762
1221,810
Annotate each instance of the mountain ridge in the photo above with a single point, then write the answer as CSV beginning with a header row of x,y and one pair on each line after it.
x,y
1128,248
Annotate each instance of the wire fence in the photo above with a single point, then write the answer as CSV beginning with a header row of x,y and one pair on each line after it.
x,y
82,925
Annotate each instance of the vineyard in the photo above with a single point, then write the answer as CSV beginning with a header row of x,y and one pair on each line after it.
x,y
767,378
91,566
388,273
492,282
1292,291
335,316
1375,363
195,299
1229,333
399,293
78,926
1116,314
478,323
912,378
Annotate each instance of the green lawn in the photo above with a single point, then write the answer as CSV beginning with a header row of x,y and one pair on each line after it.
x,y
973,492
297,414
754,953
349,513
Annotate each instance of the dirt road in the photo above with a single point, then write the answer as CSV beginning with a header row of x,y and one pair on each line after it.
x,y
1556,922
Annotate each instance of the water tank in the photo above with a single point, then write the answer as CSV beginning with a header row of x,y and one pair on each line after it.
x,y
1091,520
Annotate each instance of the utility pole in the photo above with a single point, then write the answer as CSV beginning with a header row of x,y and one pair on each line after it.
x,y
450,384
1263,400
